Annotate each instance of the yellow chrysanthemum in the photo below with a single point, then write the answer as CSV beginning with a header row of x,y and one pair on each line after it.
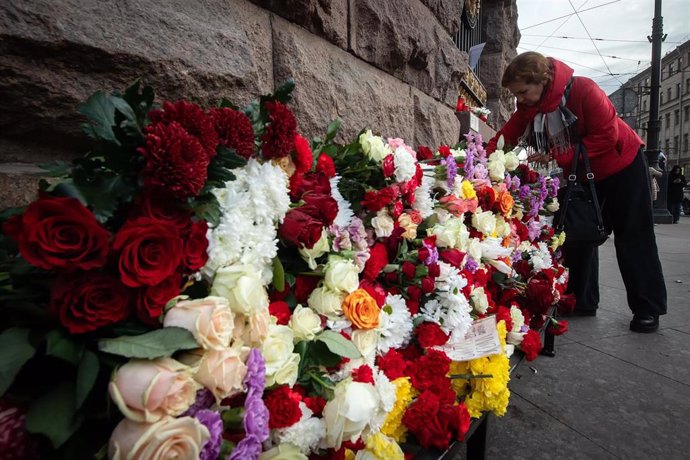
x,y
404,393
502,333
349,455
384,448
468,192
460,386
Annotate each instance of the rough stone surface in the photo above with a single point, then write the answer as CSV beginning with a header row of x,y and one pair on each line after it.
x,y
405,40
18,186
434,123
54,54
447,12
325,18
332,83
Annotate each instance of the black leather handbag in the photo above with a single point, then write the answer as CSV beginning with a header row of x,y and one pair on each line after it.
x,y
580,211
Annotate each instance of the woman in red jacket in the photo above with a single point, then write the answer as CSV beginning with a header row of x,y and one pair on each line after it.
x,y
550,123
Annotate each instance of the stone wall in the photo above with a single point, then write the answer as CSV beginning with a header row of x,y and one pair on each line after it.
x,y
386,64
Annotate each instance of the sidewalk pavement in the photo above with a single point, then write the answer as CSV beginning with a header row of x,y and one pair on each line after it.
x,y
609,393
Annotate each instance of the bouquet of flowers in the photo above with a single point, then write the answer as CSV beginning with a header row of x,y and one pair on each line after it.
x,y
241,292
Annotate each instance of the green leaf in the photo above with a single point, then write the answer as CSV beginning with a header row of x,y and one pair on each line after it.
x,y
53,415
15,351
206,207
100,111
56,168
63,346
86,376
154,344
284,91
339,344
278,274
332,129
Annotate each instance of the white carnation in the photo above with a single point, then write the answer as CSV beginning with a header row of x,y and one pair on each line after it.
x,y
405,165
423,201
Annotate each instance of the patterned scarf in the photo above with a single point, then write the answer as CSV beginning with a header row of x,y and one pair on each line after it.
x,y
551,132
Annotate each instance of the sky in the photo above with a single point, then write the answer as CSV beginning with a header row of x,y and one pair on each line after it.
x,y
623,26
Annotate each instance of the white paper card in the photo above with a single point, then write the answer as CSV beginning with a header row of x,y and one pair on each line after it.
x,y
481,340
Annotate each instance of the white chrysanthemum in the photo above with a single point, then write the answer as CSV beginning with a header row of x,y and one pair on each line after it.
x,y
345,213
304,434
423,201
431,311
449,277
395,324
387,399
405,165
457,320
541,257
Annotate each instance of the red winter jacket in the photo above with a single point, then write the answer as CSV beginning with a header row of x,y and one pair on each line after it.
x,y
611,144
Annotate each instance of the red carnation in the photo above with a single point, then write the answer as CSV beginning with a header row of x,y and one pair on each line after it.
x,y
299,228
429,424
151,300
149,251
87,301
377,261
196,244
392,364
424,153
463,421
429,371
377,199
375,290
283,407
325,165
430,335
363,374
388,166
281,311
303,155
558,327
503,313
192,119
60,233
531,345
315,404
15,441
278,139
175,160
234,130
453,257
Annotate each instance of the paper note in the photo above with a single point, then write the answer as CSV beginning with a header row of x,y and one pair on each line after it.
x,y
481,340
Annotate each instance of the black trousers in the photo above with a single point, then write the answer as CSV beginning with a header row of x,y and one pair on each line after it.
x,y
627,210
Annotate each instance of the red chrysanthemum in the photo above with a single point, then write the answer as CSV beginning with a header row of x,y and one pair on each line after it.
x,y
175,160
192,118
283,407
303,156
234,130
278,139
430,335
377,261
325,165
531,345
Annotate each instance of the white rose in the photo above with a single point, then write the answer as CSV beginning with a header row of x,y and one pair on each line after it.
x,y
277,348
515,338
342,275
383,224
285,451
320,248
511,161
553,206
479,300
305,323
474,249
373,146
242,286
452,234
485,222
287,374
168,438
366,341
503,229
349,412
405,165
496,166
327,302
222,372
517,317
210,320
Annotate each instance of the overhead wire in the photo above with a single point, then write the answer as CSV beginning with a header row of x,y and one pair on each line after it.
x,y
593,38
567,15
581,52
557,28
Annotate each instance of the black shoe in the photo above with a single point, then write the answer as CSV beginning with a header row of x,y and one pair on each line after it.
x,y
591,312
644,323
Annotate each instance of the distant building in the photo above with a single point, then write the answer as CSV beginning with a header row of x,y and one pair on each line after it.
x,y
632,104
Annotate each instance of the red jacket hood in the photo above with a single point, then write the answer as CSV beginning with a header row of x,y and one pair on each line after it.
x,y
553,92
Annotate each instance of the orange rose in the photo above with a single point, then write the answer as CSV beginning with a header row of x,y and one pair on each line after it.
x,y
361,309
505,202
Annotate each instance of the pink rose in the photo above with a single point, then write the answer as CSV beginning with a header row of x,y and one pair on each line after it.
x,y
220,371
210,320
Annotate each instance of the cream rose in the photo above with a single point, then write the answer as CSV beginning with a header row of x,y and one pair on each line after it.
x,y
342,275
320,248
222,372
474,249
277,349
452,234
373,146
366,342
305,323
479,300
327,302
286,451
497,166
146,391
349,412
485,222
210,320
242,286
383,224
287,374
553,206
167,438
511,161
405,221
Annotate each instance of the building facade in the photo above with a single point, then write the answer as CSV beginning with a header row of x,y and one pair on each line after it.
x,y
632,101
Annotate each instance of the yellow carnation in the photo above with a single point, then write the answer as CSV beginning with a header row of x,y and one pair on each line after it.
x,y
468,192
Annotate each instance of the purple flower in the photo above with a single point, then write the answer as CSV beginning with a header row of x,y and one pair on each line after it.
x,y
533,229
255,380
247,449
524,192
515,185
517,256
471,264
451,170
256,418
341,238
204,400
211,420
433,253
555,184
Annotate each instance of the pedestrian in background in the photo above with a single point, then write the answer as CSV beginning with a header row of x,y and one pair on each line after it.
x,y
676,184
551,123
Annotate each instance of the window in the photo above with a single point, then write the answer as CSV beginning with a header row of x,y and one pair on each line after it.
x,y
661,98
677,90
687,85
686,114
667,146
676,117
670,69
685,143
668,121
675,143
644,105
668,94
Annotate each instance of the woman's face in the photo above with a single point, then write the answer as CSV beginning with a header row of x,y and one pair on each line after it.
x,y
527,93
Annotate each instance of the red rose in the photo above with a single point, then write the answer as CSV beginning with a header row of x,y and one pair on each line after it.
x,y
281,311
430,335
428,285
414,292
392,364
320,206
304,285
424,153
388,166
434,270
151,300
452,257
412,306
283,407
531,345
444,150
278,139
540,296
325,165
149,251
158,203
486,197
195,255
423,253
60,233
299,228
377,261
363,374
234,130
408,269
87,301
566,304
